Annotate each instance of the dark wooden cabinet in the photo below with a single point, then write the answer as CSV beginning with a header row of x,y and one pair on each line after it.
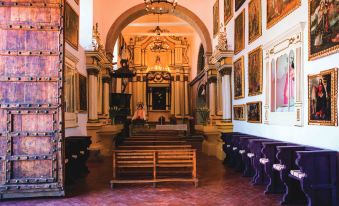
x,y
31,83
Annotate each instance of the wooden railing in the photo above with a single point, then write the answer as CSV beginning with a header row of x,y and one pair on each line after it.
x,y
154,159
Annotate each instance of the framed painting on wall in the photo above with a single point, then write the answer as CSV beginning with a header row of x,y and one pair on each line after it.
x,y
82,93
239,78
254,20
71,27
239,112
216,18
228,11
323,29
277,9
254,112
238,4
255,72
322,98
239,33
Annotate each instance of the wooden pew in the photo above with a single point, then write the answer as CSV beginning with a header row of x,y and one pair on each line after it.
x,y
227,146
154,147
269,151
76,155
287,156
255,147
235,157
241,157
247,156
317,173
154,160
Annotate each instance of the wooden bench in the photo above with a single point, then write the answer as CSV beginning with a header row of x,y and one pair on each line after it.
x,y
317,174
154,160
152,147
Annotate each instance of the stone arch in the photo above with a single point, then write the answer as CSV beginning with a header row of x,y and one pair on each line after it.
x,y
139,10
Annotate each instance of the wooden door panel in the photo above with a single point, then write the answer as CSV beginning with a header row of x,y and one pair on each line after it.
x,y
25,40
31,84
28,93
23,145
25,66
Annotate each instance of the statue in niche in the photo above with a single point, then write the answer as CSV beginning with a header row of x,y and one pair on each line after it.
x,y
140,113
185,51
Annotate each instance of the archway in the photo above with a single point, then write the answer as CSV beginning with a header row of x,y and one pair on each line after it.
x,y
139,10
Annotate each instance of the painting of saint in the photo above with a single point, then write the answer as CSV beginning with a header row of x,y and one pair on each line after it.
x,y
239,33
238,4
228,11
239,78
322,91
216,19
278,9
254,112
239,112
255,72
254,20
323,28
71,27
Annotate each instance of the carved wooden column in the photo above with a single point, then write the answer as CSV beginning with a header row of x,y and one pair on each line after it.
x,y
106,93
92,94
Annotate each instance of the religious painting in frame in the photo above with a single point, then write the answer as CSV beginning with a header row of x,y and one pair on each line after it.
x,y
255,72
82,93
239,78
254,114
322,98
216,18
239,32
71,27
278,9
228,11
254,20
239,112
238,4
323,28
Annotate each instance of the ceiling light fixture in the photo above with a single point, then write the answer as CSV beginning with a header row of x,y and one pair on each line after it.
x,y
160,6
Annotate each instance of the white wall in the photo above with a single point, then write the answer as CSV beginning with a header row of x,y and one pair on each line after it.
x,y
319,136
80,54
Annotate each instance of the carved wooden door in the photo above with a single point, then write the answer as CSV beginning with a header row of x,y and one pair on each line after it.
x,y
31,81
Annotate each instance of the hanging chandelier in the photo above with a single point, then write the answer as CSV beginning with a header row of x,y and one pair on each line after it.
x,y
160,6
158,31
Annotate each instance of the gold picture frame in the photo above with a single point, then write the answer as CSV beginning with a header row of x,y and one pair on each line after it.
x,y
255,72
71,27
238,4
254,112
322,98
275,13
228,11
239,78
239,32
239,112
216,18
254,20
318,46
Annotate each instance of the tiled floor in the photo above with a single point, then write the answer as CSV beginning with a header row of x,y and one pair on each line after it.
x,y
218,185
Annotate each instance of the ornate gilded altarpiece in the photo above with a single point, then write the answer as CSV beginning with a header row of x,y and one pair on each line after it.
x,y
283,64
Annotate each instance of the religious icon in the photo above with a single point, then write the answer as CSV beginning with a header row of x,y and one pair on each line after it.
x,y
239,112
254,20
140,113
239,33
254,112
239,78
255,72
278,9
322,97
323,28
228,11
216,18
